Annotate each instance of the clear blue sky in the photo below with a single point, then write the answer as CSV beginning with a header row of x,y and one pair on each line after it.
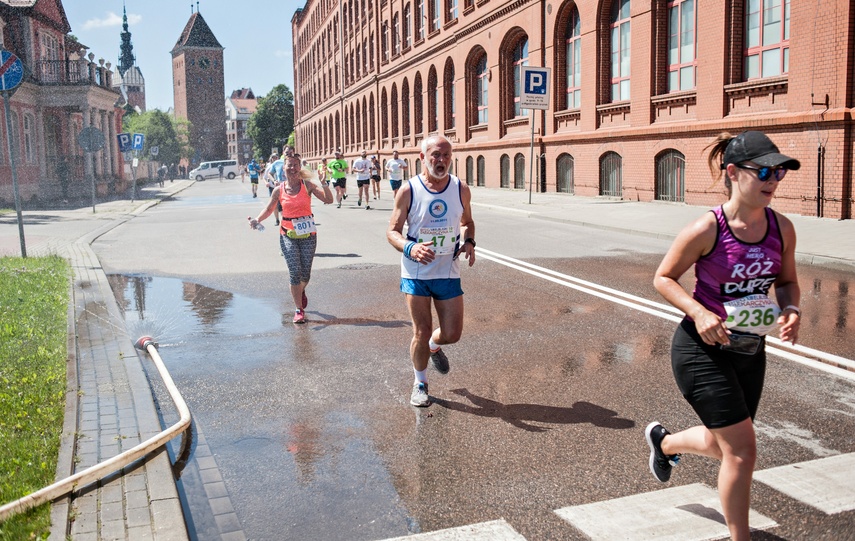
x,y
256,35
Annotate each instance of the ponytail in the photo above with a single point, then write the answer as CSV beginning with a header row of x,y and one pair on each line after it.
x,y
714,160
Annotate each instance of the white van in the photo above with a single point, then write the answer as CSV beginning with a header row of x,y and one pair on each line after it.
x,y
212,170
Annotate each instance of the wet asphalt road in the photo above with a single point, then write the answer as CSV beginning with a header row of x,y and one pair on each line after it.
x,y
309,428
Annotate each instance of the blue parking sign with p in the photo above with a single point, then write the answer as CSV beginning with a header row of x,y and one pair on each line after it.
x,y
535,82
124,142
139,140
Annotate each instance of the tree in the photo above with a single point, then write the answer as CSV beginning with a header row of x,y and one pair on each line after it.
x,y
272,122
161,131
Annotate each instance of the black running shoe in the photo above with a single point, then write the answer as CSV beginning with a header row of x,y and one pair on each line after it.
x,y
660,463
440,361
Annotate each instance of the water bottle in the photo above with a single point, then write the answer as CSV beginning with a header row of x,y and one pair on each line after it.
x,y
258,226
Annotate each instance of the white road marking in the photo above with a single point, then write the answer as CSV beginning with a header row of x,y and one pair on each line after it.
x,y
686,513
793,433
827,484
495,530
836,367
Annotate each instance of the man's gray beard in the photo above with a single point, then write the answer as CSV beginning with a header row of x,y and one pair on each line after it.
x,y
432,172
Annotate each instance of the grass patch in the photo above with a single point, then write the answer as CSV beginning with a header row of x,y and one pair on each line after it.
x,y
33,333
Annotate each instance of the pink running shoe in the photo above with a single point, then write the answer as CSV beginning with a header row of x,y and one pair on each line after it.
x,y
299,317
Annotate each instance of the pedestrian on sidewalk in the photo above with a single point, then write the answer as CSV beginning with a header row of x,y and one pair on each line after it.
x,y
436,208
718,355
297,231
220,169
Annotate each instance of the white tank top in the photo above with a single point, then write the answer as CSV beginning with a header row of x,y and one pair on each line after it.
x,y
434,215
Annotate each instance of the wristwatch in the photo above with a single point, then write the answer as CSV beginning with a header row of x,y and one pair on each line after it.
x,y
470,240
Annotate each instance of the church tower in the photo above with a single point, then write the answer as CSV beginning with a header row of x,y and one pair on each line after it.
x,y
199,87
129,80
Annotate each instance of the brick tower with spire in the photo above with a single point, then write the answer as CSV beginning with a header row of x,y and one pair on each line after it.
x,y
129,80
199,88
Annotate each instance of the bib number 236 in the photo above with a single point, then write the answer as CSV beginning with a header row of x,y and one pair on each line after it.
x,y
757,314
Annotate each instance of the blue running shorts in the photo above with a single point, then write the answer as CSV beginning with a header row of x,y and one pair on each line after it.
x,y
441,289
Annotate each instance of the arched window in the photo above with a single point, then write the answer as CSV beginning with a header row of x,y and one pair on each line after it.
x,y
564,174
384,115
372,129
481,171
519,171
520,59
405,108
682,45
671,176
396,35
29,141
418,169
365,122
470,170
620,42
573,61
448,90
611,175
767,38
433,101
505,171
477,87
418,115
394,107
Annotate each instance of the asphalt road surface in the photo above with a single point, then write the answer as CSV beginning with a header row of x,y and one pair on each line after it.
x,y
537,433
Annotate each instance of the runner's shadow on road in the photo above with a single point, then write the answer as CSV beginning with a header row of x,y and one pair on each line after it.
x,y
522,415
337,255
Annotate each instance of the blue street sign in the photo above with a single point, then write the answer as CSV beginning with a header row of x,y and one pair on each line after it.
x,y
124,142
139,141
535,91
11,71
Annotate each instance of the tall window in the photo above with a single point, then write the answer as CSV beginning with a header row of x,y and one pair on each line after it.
x,y
620,50
611,175
51,69
682,45
470,170
384,42
29,143
452,10
417,104
573,61
481,73
371,52
564,177
520,60
671,176
405,108
504,171
435,15
481,171
384,115
448,87
767,38
396,35
433,102
408,27
394,108
419,16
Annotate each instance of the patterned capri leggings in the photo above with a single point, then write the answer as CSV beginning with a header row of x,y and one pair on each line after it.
x,y
298,254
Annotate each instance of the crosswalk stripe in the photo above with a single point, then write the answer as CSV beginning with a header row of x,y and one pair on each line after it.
x,y
494,530
686,513
827,484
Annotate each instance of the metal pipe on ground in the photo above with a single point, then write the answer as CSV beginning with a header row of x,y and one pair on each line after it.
x,y
108,467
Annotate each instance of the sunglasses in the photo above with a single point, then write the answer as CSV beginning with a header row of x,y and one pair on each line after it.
x,y
765,173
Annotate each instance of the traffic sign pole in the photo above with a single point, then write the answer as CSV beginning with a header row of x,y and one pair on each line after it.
x,y
14,174
534,95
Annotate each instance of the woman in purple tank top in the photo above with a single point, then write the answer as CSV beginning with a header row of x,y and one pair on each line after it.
x,y
739,250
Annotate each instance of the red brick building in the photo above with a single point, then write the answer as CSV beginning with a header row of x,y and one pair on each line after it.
x,y
639,88
199,87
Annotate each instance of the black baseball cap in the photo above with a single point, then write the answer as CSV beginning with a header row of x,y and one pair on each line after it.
x,y
754,146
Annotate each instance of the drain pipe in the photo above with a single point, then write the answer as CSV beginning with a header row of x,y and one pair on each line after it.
x,y
99,471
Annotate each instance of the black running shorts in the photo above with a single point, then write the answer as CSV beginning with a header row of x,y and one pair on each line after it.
x,y
722,387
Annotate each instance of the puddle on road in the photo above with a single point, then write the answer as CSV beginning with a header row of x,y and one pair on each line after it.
x,y
171,310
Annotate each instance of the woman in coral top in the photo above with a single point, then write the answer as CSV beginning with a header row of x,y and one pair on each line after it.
x,y
297,232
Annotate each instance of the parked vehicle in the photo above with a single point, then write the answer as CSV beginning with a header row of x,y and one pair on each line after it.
x,y
212,170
